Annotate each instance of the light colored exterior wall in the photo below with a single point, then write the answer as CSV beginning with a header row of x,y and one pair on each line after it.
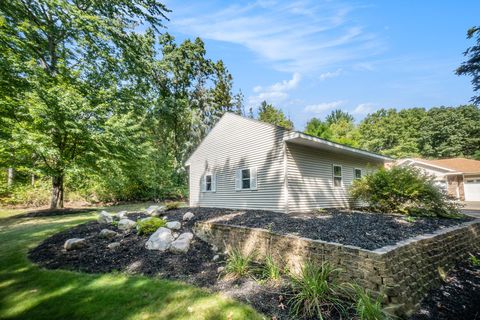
x,y
234,143
438,174
310,177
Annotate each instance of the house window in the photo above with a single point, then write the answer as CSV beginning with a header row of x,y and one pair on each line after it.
x,y
337,176
246,179
357,174
208,182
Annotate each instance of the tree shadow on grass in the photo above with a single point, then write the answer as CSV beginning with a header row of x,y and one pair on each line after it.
x,y
29,292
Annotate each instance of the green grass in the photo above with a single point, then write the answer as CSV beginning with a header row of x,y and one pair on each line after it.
x,y
30,292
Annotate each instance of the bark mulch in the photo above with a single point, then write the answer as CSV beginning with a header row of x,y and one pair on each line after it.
x,y
458,298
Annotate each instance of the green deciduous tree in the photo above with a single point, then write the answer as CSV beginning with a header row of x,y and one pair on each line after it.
x,y
76,58
268,113
471,67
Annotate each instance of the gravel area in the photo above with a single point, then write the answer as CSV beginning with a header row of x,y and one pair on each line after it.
x,y
457,298
362,229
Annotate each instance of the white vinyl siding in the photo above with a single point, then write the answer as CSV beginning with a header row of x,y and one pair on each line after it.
x,y
310,177
237,143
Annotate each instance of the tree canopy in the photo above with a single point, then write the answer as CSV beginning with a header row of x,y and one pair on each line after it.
x,y
471,67
268,113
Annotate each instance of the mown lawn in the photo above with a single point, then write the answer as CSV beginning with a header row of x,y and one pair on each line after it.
x,y
29,292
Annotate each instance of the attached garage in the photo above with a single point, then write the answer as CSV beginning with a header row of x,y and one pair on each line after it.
x,y
471,187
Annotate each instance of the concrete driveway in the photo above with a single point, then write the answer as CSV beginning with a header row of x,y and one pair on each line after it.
x,y
471,208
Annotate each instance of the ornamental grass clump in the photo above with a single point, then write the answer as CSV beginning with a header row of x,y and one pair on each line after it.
x,y
238,264
368,308
270,270
316,291
150,225
404,190
172,205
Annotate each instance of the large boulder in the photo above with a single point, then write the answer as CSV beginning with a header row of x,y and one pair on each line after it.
x,y
126,224
104,217
160,240
188,216
174,225
120,215
108,234
182,243
74,243
155,211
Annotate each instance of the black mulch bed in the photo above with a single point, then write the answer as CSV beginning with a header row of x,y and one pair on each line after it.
x,y
366,230
458,298
196,267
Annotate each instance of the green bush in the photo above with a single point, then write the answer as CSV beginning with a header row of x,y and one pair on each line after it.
x,y
149,226
403,190
474,260
368,308
316,290
238,264
172,205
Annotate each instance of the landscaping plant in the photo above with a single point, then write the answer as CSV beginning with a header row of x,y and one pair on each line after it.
x,y
149,226
270,270
238,264
368,308
172,205
403,190
316,291
474,260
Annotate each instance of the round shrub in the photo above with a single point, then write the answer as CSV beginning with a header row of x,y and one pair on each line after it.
x,y
404,190
149,226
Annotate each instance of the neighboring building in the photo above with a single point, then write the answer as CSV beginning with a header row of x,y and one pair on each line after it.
x,y
460,177
246,164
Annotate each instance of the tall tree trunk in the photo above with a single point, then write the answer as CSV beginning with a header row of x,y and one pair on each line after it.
x,y
57,192
33,179
11,175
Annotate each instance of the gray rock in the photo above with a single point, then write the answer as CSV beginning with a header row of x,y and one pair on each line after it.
x,y
108,234
160,240
182,243
215,248
174,225
113,245
104,217
126,224
74,243
220,269
120,215
188,216
175,235
155,211
215,257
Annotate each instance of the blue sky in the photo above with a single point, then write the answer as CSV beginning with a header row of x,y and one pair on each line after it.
x,y
310,57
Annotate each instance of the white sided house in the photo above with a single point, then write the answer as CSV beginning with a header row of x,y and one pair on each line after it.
x,y
247,164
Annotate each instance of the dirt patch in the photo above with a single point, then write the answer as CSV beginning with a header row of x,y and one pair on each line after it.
x,y
457,298
362,229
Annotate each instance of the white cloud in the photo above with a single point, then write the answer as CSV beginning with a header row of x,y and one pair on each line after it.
x,y
325,106
333,74
299,36
276,93
364,108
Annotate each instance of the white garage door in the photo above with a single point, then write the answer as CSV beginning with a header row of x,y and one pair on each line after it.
x,y
472,189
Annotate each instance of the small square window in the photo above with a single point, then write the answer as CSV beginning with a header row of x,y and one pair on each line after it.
x,y
208,182
337,176
246,179
358,174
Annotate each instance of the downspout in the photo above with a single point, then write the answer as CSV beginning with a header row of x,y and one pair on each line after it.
x,y
285,176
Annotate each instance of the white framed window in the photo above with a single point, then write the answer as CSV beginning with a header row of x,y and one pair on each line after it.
x,y
357,173
209,182
337,176
246,179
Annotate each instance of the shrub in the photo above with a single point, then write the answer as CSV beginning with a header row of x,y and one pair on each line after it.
x,y
172,205
270,270
316,291
238,264
149,226
368,308
403,190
